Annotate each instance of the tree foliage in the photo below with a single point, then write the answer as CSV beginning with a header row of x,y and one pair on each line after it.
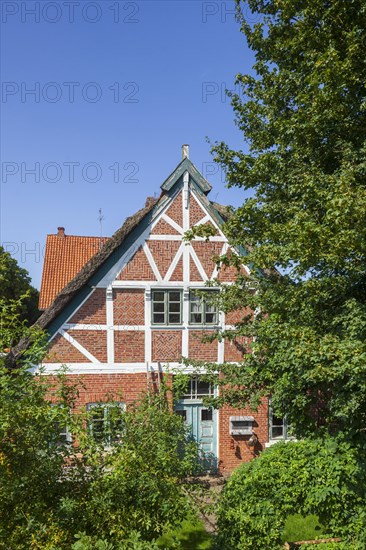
x,y
302,114
15,283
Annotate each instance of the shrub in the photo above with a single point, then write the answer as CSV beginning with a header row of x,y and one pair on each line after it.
x,y
322,477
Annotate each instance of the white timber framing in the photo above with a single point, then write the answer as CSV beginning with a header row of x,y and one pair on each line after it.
x,y
174,263
116,368
110,324
78,346
148,339
109,283
171,222
151,261
186,266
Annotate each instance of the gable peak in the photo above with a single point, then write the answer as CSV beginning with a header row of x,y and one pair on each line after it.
x,y
186,165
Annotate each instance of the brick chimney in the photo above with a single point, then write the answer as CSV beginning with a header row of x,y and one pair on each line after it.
x,y
61,232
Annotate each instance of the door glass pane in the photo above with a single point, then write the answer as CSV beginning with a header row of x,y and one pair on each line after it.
x,y
206,414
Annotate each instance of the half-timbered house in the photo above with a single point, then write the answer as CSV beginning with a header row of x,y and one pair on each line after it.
x,y
121,310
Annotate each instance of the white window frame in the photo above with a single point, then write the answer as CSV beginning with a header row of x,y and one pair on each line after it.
x,y
281,422
166,303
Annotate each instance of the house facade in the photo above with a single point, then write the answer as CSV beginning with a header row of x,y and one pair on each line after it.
x,y
122,311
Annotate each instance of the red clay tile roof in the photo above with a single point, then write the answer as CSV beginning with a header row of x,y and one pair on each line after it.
x,y
64,258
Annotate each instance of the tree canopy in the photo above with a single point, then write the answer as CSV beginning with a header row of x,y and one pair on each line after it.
x,y
15,283
303,119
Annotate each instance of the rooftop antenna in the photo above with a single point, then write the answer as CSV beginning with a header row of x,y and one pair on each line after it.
x,y
100,219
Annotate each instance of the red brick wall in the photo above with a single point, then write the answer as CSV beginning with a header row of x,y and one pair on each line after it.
x,y
205,251
93,311
138,269
164,228
95,341
129,346
195,211
177,274
235,316
194,274
163,253
166,345
234,449
203,351
175,211
129,306
61,351
235,349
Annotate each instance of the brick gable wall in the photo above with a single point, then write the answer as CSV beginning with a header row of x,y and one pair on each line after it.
x,y
93,311
138,269
128,306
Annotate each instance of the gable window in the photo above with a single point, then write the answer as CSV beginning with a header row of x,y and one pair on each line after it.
x,y
105,422
166,307
201,309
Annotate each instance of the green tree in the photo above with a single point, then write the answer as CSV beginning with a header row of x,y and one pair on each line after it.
x,y
15,283
302,114
119,485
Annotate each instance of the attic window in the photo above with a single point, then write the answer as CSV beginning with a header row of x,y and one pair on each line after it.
x,y
202,310
167,307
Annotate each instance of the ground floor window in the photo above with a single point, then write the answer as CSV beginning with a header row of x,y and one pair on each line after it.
x,y
105,422
279,427
64,436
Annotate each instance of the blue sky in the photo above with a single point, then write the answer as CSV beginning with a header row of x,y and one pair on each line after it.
x,y
118,87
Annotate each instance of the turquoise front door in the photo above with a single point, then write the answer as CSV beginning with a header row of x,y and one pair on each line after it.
x,y
203,424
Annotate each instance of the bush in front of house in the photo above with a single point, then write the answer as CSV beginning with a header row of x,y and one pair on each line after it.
x,y
324,477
